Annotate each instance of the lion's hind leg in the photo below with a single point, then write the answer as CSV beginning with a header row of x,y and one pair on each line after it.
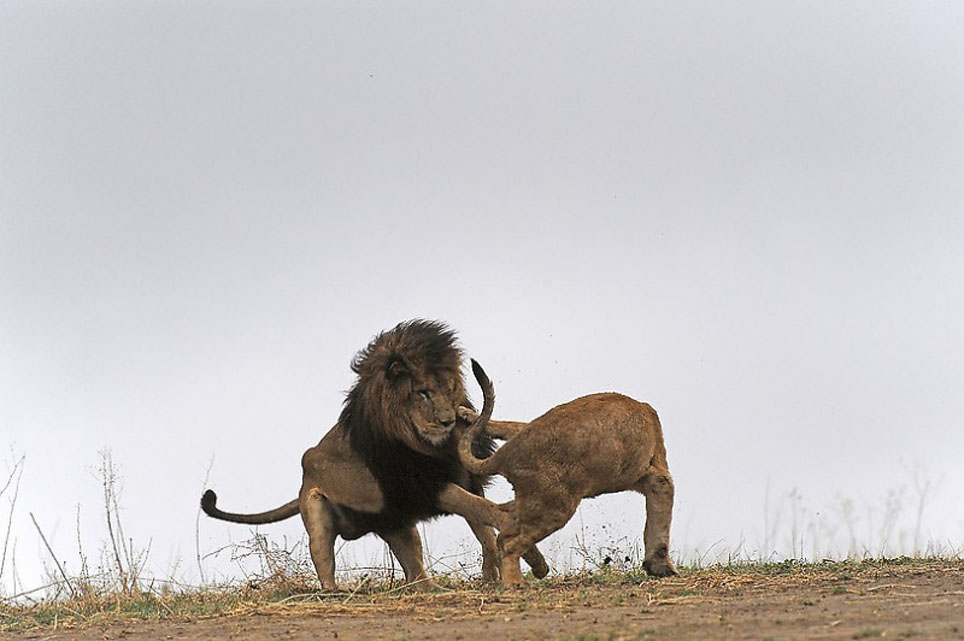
x,y
536,562
537,516
533,556
657,486
319,522
491,557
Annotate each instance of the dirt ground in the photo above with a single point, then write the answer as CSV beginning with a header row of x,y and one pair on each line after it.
x,y
920,601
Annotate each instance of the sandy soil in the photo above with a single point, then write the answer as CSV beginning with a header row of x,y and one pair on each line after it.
x,y
893,601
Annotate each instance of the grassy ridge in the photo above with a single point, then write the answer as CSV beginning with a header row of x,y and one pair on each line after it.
x,y
294,595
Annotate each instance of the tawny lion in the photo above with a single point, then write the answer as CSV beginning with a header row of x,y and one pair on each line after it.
x,y
592,445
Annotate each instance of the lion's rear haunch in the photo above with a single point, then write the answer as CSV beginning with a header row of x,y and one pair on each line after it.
x,y
209,504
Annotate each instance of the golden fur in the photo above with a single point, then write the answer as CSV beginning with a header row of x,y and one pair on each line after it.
x,y
589,446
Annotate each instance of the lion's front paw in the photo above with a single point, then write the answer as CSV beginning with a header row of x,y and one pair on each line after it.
x,y
467,414
491,573
426,585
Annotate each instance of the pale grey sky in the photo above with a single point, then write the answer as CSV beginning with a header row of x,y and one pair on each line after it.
x,y
748,214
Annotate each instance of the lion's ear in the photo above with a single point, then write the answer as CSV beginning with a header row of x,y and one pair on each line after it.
x,y
397,369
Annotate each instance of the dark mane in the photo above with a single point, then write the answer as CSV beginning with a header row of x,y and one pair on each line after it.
x,y
374,416
421,343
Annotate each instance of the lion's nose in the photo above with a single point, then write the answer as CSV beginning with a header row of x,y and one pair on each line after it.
x,y
447,421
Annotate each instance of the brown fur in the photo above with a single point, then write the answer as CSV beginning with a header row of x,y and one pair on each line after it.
x,y
592,445
392,458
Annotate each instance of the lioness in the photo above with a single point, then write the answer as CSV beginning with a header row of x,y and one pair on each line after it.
x,y
592,445
392,459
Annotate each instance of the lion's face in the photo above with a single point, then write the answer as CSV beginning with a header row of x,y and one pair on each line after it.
x,y
408,390
433,401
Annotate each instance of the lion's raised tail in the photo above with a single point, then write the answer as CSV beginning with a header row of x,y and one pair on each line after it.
x,y
209,503
475,465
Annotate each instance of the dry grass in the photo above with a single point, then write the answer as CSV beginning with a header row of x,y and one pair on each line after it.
x,y
113,588
286,595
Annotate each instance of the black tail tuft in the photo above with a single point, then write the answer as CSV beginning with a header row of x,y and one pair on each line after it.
x,y
209,502
480,375
488,392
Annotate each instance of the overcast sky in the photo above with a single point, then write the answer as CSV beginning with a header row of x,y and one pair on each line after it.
x,y
748,214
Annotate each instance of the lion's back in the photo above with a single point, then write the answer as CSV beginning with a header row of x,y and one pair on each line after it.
x,y
606,436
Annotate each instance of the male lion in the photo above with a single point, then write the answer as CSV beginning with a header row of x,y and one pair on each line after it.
x,y
392,459
590,446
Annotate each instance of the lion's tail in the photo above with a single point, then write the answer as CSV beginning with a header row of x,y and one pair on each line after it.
x,y
209,503
487,466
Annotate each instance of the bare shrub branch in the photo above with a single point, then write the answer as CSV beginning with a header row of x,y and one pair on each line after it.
x,y
13,480
53,556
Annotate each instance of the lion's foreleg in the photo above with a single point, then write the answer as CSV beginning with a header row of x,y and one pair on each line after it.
x,y
491,559
503,430
481,514
472,507
320,525
406,545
